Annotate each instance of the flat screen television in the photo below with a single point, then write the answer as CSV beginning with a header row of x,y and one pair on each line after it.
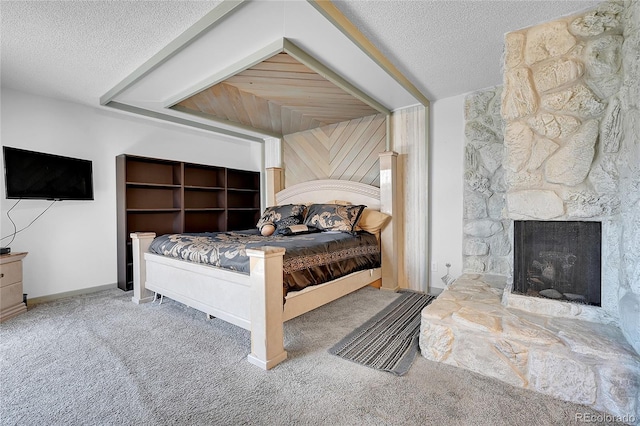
x,y
39,176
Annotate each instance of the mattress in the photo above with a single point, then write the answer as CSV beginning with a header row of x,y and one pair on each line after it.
x,y
310,259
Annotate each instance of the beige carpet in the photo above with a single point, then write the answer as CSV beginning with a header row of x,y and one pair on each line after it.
x,y
99,359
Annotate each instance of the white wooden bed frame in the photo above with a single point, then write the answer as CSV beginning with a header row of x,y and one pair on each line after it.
x,y
254,301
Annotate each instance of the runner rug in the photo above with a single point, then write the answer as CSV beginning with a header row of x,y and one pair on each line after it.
x,y
389,340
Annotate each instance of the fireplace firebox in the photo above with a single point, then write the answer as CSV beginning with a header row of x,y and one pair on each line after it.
x,y
558,260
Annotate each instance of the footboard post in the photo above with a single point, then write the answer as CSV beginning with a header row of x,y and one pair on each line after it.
x,y
267,334
140,242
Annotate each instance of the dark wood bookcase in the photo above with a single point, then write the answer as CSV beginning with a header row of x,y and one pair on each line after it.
x,y
164,196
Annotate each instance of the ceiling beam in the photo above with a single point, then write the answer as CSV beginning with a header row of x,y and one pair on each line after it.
x,y
333,14
183,40
184,122
224,122
308,60
260,55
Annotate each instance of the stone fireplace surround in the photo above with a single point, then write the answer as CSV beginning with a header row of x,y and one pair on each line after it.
x,y
560,141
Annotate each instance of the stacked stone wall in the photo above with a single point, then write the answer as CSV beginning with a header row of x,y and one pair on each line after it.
x,y
487,232
628,166
562,111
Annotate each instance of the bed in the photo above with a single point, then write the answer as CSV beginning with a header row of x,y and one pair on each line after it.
x,y
254,300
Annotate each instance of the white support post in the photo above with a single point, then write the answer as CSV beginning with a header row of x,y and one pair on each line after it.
x,y
140,242
267,333
273,169
390,234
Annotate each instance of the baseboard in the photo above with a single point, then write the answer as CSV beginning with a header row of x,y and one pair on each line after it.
x,y
64,295
435,291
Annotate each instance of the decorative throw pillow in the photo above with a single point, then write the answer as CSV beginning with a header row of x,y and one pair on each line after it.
x,y
344,203
333,217
282,216
267,229
372,221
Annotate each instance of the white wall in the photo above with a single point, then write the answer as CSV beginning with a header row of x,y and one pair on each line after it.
x,y
447,160
73,245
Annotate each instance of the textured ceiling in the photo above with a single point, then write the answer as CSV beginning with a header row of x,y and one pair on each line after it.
x,y
77,50
450,47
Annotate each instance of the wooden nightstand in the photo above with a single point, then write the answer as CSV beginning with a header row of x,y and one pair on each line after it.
x,y
11,299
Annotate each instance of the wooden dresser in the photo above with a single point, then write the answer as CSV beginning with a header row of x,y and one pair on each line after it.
x,y
11,299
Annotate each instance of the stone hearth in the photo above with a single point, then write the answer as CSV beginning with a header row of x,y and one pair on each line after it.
x,y
571,359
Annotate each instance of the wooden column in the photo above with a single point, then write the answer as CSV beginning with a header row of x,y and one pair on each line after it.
x,y
390,234
274,179
267,297
275,183
140,242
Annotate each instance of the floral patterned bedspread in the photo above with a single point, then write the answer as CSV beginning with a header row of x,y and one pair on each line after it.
x,y
309,259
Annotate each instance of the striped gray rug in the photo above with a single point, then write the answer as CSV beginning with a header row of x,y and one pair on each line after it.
x,y
389,340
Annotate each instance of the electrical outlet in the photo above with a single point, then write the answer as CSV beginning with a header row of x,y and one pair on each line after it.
x,y
434,266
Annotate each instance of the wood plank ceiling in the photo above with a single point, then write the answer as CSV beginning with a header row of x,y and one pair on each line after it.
x,y
279,96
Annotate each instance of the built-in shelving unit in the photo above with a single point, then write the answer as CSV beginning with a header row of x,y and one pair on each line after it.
x,y
164,196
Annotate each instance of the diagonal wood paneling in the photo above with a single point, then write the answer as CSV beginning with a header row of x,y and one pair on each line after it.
x,y
346,150
279,95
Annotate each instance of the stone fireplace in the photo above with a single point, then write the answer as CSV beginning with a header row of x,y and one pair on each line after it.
x,y
557,145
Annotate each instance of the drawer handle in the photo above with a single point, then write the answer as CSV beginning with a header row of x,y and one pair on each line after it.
x,y
1,275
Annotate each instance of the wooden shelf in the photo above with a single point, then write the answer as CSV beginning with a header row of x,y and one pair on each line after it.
x,y
204,188
164,196
160,210
152,185
151,171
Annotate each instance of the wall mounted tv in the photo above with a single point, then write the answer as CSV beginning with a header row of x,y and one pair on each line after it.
x,y
40,176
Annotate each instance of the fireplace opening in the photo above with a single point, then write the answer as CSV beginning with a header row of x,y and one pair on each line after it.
x,y
558,260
